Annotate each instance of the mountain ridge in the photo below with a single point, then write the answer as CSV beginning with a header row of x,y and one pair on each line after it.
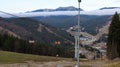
x,y
108,8
69,8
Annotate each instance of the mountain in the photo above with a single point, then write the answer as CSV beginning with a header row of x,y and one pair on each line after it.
x,y
69,8
66,17
104,11
109,8
88,22
27,28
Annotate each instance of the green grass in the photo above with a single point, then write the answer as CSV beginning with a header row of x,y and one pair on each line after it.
x,y
11,57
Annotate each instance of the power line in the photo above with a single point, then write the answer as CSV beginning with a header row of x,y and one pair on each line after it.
x,y
9,14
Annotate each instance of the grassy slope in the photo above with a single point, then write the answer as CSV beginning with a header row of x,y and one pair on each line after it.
x,y
11,57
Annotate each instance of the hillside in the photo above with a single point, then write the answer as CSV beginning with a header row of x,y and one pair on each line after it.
x,y
32,29
3,30
103,32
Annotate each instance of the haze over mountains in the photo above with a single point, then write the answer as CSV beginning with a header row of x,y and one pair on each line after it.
x,y
70,10
73,11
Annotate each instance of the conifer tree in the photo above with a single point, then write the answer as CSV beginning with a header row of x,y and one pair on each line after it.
x,y
113,38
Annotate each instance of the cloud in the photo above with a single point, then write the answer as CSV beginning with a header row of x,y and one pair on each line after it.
x,y
28,5
117,0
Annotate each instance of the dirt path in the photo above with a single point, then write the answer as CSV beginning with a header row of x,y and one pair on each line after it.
x,y
59,64
48,64
41,64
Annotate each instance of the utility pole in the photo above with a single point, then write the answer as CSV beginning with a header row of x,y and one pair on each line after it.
x,y
76,45
77,38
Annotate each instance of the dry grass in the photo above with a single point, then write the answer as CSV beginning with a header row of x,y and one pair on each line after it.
x,y
11,57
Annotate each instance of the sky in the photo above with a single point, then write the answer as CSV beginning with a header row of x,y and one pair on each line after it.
x,y
17,6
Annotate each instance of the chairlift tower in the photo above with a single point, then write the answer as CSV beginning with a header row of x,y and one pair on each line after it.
x,y
77,38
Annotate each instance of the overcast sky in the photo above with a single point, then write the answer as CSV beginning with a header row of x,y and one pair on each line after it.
x,y
28,5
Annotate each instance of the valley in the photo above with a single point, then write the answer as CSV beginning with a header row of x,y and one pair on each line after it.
x,y
46,37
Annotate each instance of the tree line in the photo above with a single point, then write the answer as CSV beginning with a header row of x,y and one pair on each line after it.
x,y
14,44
